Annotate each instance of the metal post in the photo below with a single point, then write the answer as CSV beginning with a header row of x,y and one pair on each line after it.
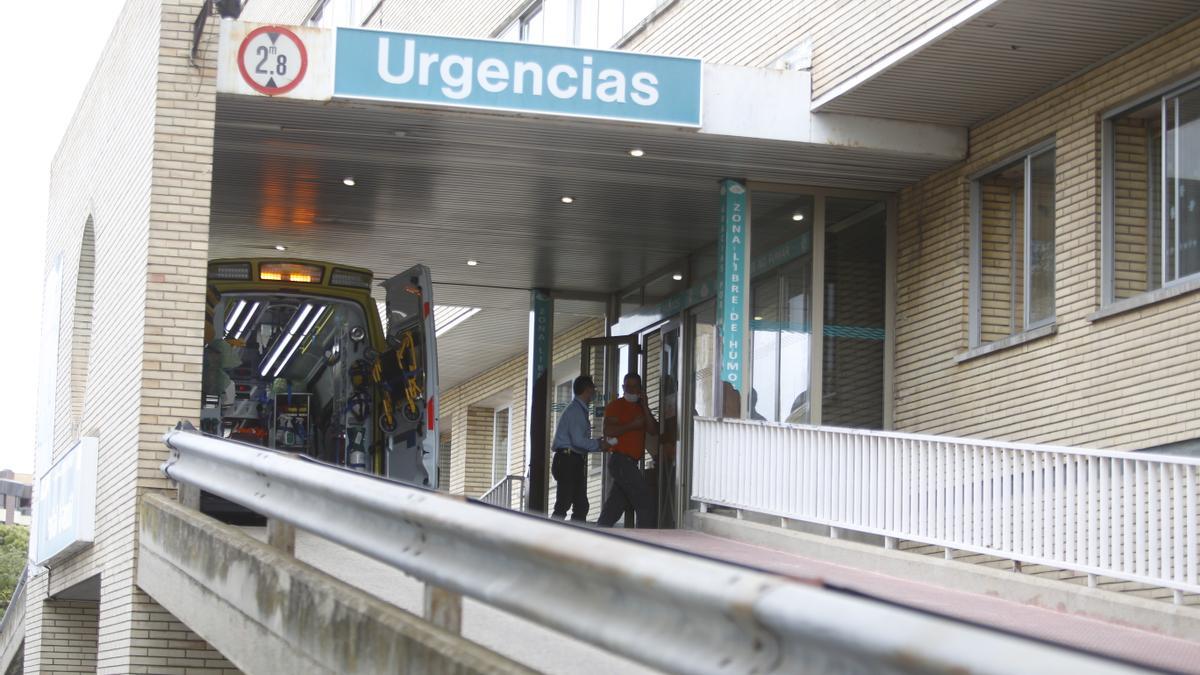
x,y
733,247
541,338
443,608
281,535
189,496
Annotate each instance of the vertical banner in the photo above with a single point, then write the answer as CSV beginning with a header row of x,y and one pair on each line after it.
x,y
541,342
732,268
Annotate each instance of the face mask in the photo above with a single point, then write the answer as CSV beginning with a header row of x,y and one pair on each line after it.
x,y
632,398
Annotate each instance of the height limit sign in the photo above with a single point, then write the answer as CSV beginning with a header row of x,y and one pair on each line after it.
x,y
272,60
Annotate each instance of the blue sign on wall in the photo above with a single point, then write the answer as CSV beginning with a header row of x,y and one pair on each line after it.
x,y
517,76
731,266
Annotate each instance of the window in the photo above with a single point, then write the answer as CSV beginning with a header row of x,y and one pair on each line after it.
x,y
334,13
1012,228
1152,194
579,23
781,303
501,444
564,392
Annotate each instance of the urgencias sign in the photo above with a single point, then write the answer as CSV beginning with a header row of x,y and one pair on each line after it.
x,y
517,76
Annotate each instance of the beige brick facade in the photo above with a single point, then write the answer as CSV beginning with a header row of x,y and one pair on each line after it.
x,y
129,224
128,221
1127,381
846,37
471,424
68,637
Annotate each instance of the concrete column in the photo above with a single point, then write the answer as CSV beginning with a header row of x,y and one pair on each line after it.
x,y
733,253
537,446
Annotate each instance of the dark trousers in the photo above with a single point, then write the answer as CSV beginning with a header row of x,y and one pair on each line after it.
x,y
570,471
629,489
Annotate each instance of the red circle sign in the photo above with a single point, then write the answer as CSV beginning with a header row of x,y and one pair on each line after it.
x,y
272,60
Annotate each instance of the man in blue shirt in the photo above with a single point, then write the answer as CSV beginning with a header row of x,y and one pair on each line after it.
x,y
572,442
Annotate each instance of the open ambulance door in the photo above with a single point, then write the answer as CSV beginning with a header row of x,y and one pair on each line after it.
x,y
408,377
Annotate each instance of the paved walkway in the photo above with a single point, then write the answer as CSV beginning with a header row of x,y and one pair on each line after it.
x,y
1133,644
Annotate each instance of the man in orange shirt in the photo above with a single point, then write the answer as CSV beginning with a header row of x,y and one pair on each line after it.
x,y
627,419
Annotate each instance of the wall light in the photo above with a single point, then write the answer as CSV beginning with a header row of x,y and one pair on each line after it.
x,y
797,216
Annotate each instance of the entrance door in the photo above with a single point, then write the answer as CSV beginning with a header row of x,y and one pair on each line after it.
x,y
663,363
608,360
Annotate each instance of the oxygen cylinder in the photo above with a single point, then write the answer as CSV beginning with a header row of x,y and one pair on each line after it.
x,y
358,460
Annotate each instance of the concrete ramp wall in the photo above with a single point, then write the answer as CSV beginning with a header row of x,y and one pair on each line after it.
x,y
269,613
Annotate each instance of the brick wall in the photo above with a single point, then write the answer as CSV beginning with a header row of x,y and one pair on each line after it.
x,y
81,330
470,463
846,36
1127,381
68,640
102,174
1001,224
1132,215
478,18
135,163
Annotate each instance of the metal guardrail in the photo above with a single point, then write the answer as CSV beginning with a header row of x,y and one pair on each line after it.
x,y
671,611
1104,513
501,494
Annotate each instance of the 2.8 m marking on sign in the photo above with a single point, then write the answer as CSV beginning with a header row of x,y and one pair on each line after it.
x,y
272,60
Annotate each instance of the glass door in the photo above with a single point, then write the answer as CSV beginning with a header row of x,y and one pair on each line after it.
x,y
663,365
607,360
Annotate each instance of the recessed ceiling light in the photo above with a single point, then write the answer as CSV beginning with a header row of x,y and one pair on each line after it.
x,y
566,199
280,247
797,216
348,181
758,318
677,277
636,152
472,262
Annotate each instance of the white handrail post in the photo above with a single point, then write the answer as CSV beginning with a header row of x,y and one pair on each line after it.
x,y
1096,512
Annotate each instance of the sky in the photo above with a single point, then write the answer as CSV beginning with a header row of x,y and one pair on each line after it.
x,y
45,72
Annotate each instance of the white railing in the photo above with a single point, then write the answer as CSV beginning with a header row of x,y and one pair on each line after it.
x,y
501,494
693,615
1113,514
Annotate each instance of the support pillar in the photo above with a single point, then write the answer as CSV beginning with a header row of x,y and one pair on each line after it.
x,y
537,446
733,246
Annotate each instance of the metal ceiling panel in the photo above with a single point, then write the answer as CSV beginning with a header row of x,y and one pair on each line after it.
x,y
1004,56
442,187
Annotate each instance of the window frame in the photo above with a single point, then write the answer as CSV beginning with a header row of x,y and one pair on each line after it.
x,y
975,280
507,412
317,13
1109,303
